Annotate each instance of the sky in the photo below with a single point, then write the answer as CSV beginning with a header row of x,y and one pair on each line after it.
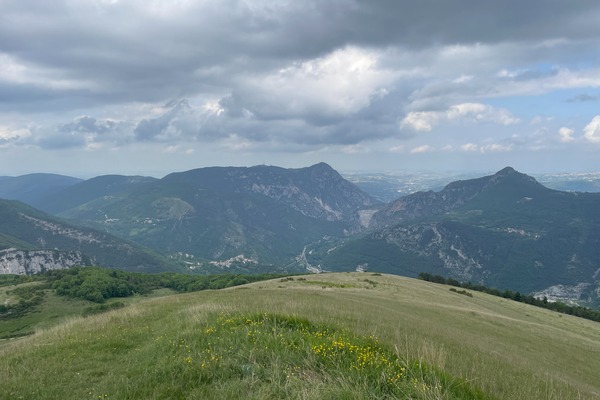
x,y
148,87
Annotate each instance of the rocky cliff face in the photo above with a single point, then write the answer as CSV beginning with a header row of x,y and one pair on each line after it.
x,y
28,262
442,247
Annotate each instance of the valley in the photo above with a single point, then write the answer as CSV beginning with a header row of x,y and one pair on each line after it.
x,y
504,230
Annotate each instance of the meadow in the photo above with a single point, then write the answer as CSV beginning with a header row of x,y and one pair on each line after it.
x,y
344,335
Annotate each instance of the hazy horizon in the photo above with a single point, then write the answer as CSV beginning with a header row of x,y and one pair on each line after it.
x,y
438,174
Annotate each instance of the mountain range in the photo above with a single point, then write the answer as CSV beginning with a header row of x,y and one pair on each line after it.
x,y
504,230
215,218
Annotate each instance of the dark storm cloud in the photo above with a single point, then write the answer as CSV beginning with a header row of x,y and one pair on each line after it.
x,y
171,52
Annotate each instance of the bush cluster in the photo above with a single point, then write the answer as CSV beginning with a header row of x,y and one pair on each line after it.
x,y
29,298
99,284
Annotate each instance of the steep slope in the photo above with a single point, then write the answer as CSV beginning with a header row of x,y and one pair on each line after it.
x,y
251,215
102,188
32,188
31,241
505,231
317,191
202,224
505,186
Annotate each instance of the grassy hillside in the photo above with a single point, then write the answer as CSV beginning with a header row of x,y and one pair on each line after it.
x,y
347,335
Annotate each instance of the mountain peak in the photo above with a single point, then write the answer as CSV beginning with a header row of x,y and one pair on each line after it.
x,y
505,171
322,166
513,176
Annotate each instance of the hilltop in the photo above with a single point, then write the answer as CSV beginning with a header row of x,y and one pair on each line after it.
x,y
291,338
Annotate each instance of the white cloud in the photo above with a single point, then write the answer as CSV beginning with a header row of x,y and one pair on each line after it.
x,y
496,148
337,84
422,149
397,149
8,134
465,112
481,113
566,134
469,147
421,121
592,130
487,148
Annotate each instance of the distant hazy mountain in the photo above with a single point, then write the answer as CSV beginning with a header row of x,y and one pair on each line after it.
x,y
105,187
32,241
505,230
260,214
32,188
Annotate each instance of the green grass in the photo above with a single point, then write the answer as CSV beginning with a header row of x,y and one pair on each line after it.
x,y
324,284
296,340
54,310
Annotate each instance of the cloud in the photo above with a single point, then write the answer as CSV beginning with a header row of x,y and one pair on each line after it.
x,y
397,149
487,148
466,112
592,130
422,149
421,121
89,125
85,132
469,147
496,148
182,49
319,90
177,120
11,136
262,76
566,134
